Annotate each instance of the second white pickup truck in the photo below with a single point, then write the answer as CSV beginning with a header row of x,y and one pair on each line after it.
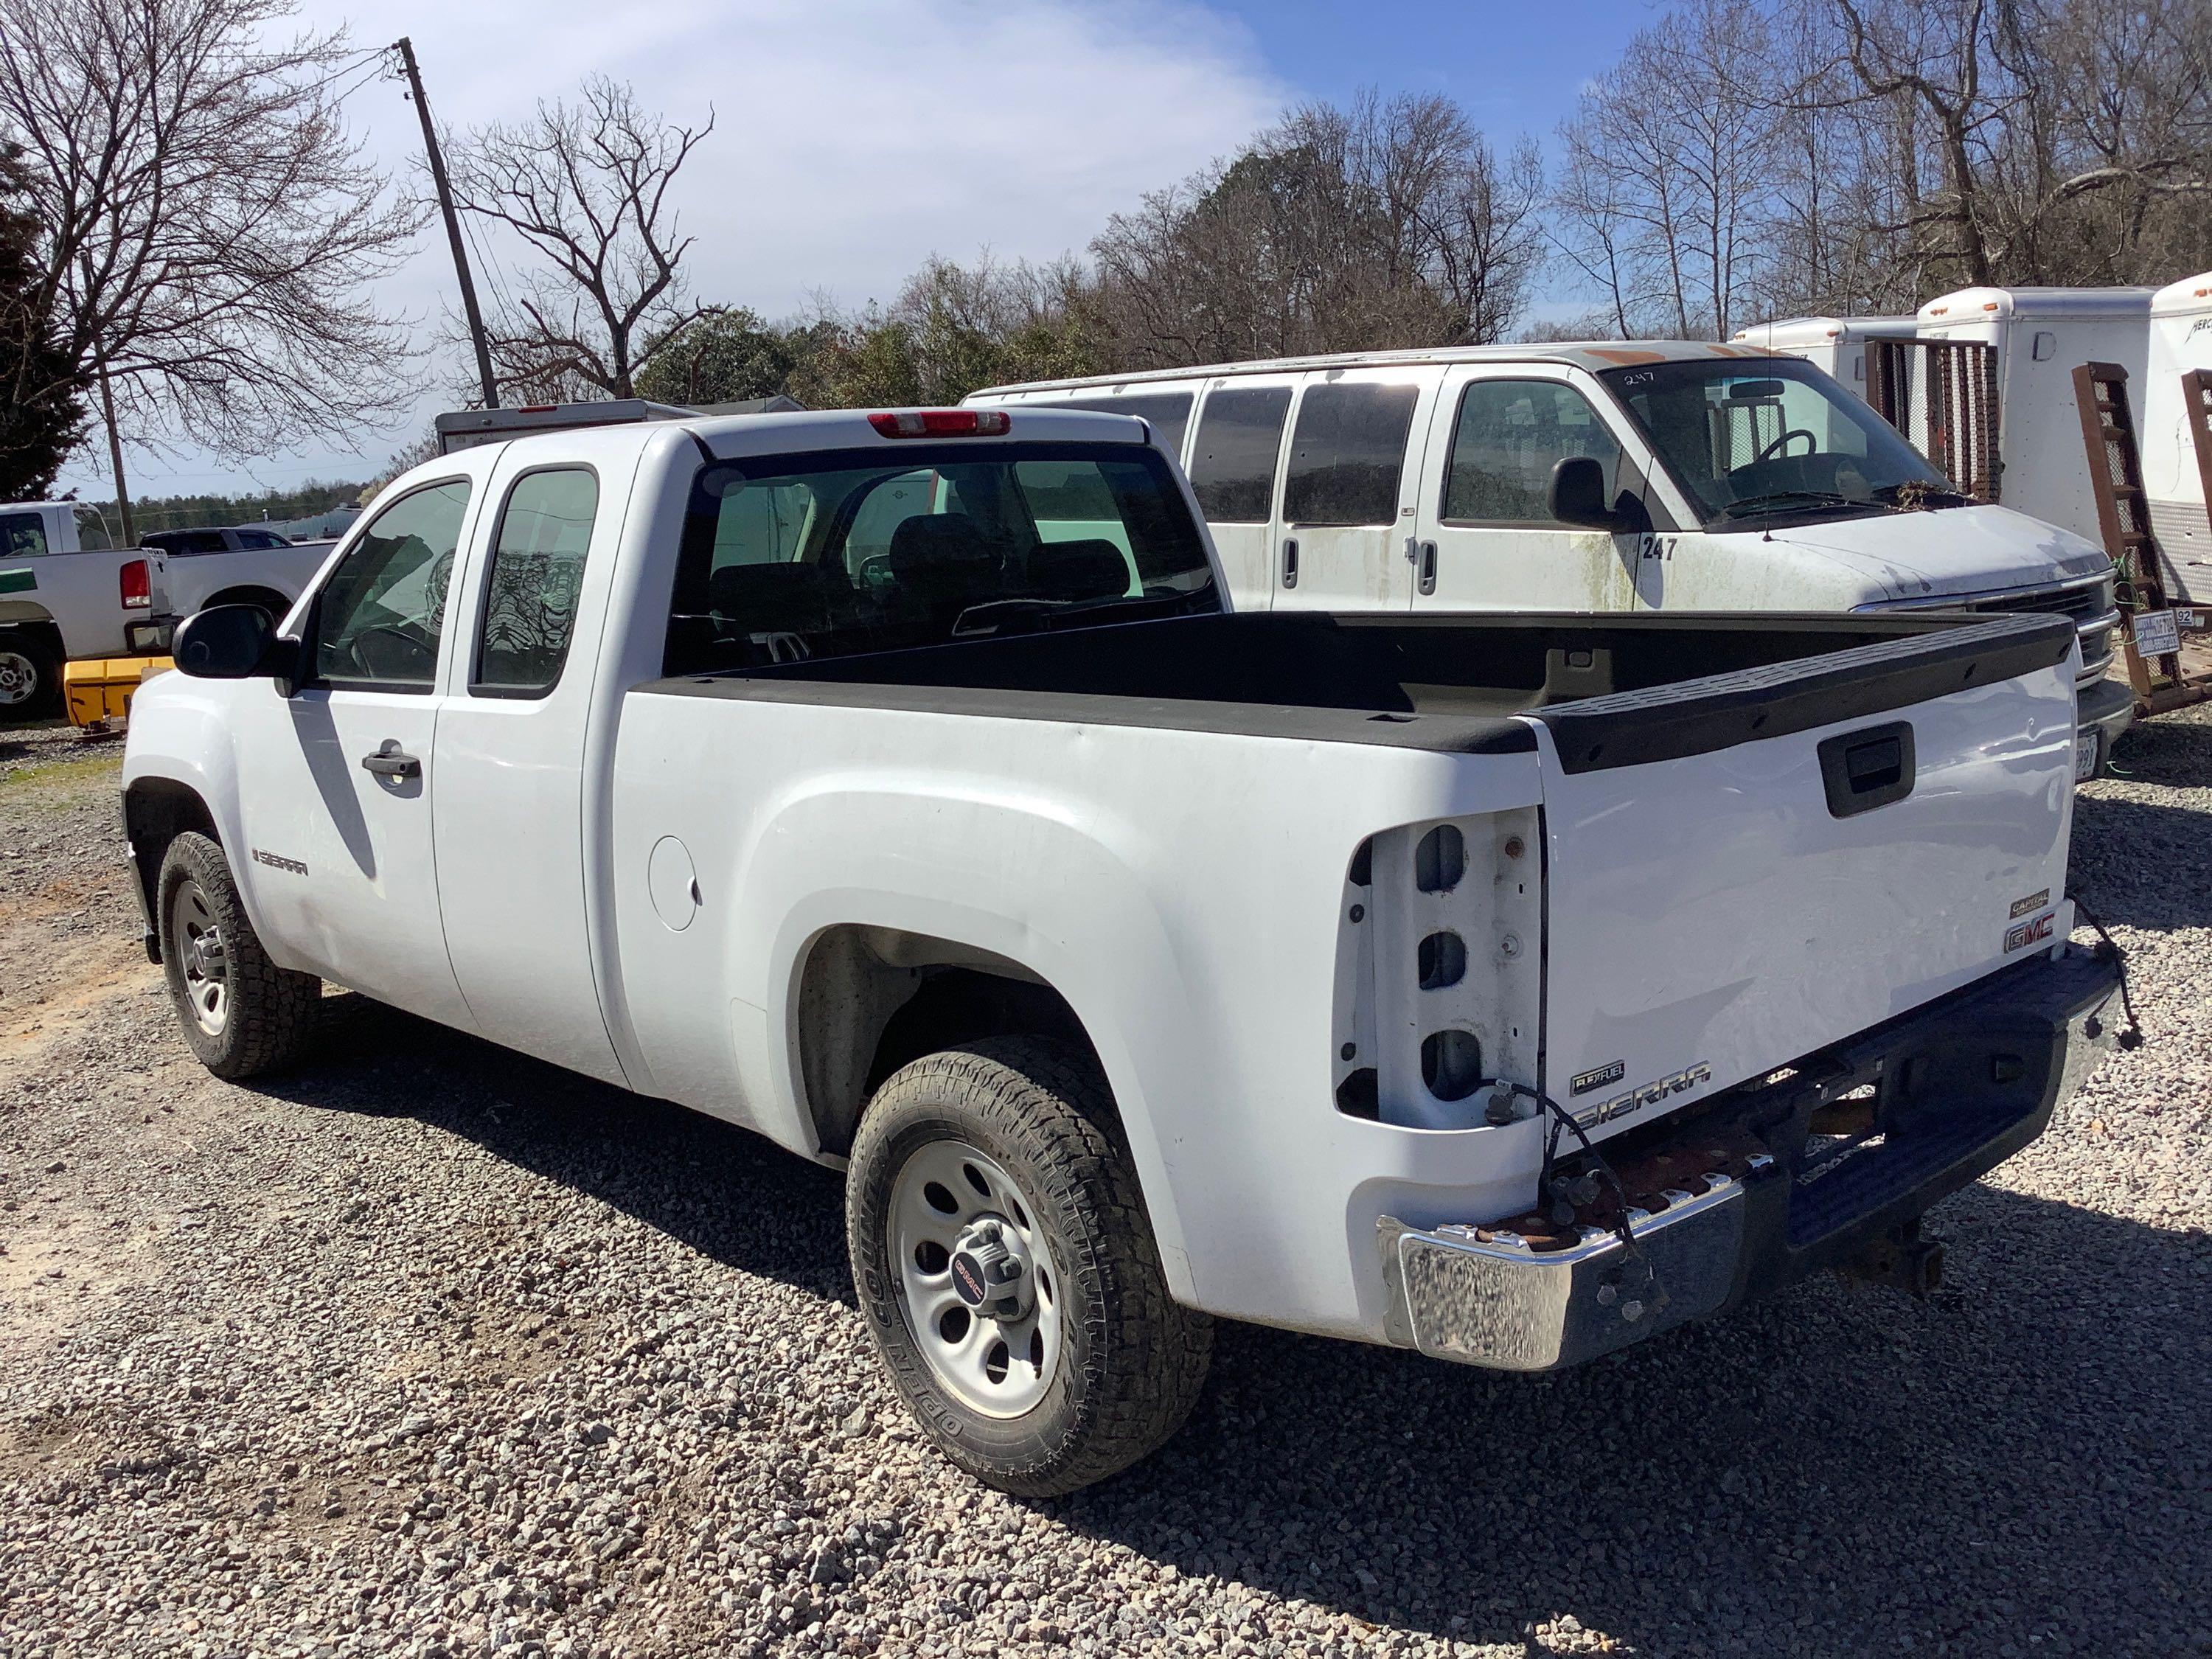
x,y
897,785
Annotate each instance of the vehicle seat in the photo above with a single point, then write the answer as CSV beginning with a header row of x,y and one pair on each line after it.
x,y
1093,569
943,559
772,598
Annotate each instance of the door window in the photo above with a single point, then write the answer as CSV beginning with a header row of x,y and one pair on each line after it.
x,y
261,539
379,618
530,591
1509,436
1240,438
1349,453
22,536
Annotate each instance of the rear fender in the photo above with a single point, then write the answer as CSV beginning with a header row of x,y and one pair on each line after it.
x,y
958,859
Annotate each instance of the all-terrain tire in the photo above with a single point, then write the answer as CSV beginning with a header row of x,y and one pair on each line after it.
x,y
1133,1360
267,1013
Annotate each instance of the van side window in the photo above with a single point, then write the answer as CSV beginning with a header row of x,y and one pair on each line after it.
x,y
530,591
1509,435
1349,453
22,536
1240,436
1168,411
379,618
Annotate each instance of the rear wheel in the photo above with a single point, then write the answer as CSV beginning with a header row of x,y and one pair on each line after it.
x,y
1008,1272
30,677
240,1013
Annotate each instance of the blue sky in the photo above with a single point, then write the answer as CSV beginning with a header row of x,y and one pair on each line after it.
x,y
856,138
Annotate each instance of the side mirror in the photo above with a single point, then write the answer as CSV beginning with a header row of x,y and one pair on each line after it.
x,y
231,642
1578,495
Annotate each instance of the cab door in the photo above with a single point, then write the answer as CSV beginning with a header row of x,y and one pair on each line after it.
x,y
1235,465
335,780
511,743
1487,539
1344,539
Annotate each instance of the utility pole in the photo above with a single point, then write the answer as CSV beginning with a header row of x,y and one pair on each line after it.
x,y
405,48
115,455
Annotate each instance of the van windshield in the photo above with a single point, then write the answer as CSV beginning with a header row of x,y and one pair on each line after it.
x,y
1758,439
787,558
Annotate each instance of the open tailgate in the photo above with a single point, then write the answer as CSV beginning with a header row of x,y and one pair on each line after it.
x,y
1744,869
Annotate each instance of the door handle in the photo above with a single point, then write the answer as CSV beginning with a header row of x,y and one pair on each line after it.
x,y
1290,561
390,761
1427,567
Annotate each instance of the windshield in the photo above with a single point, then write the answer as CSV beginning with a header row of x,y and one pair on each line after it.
x,y
1753,439
789,558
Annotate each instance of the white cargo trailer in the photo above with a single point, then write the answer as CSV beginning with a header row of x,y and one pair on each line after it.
x,y
2180,343
1836,345
2041,335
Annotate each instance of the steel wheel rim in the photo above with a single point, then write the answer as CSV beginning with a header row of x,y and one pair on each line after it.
x,y
999,1368
19,677
203,957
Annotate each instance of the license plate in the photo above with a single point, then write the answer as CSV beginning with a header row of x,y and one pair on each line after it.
x,y
2084,756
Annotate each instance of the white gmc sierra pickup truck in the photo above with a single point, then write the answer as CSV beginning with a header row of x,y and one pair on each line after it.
x,y
897,786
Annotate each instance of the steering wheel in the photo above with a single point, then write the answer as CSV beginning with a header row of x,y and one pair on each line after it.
x,y
415,646
1782,443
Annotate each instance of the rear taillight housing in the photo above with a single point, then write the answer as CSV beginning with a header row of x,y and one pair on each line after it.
x,y
138,581
942,422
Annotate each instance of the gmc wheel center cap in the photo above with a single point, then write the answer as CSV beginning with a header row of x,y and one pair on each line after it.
x,y
990,1272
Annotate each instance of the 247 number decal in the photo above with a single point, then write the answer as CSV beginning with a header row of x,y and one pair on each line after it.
x,y
1656,547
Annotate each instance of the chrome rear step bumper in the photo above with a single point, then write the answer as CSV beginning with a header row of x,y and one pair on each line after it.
x,y
1744,1198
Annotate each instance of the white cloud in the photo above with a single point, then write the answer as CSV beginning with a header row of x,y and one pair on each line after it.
x,y
853,137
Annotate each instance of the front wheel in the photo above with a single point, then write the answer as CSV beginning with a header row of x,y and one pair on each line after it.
x,y
1007,1271
240,1012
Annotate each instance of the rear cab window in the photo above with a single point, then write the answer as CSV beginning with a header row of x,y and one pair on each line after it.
x,y
791,557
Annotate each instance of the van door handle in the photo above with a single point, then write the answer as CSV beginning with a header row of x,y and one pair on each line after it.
x,y
390,761
1290,561
1427,581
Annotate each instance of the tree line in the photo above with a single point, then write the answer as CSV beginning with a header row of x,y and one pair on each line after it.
x,y
189,231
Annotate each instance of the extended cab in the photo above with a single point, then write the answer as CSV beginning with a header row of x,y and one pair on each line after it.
x,y
899,786
66,591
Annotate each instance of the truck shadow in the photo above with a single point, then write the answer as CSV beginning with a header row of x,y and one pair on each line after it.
x,y
1868,1471
2142,864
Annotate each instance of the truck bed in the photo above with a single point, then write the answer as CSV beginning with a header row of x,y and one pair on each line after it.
x,y
1615,691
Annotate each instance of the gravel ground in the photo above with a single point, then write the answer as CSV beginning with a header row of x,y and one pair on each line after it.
x,y
432,1349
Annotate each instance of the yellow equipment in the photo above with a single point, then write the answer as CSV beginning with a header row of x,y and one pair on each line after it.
x,y
98,689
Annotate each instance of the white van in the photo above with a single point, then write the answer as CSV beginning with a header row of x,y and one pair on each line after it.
x,y
1651,475
2180,341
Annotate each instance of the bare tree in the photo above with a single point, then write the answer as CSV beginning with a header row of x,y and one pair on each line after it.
x,y
1389,222
585,187
1666,192
210,230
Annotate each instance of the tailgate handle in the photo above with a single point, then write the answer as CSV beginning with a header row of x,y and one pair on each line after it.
x,y
1867,769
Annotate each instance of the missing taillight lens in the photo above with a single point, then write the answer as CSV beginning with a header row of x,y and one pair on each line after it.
x,y
942,422
137,585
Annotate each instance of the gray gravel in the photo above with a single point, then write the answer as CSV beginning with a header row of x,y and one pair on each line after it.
x,y
433,1350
